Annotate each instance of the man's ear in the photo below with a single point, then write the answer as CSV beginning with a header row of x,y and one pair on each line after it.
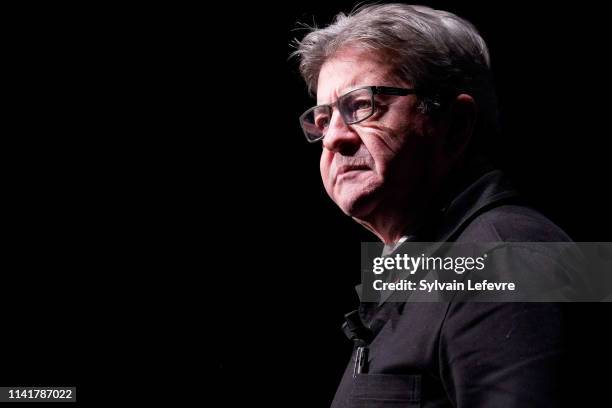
x,y
462,119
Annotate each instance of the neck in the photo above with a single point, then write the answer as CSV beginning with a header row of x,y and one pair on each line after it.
x,y
404,212
391,225
391,222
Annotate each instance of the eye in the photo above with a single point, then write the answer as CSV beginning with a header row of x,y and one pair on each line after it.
x,y
321,121
361,104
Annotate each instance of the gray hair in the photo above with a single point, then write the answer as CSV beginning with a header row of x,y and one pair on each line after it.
x,y
436,51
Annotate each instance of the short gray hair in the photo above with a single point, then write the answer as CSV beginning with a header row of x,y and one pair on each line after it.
x,y
436,51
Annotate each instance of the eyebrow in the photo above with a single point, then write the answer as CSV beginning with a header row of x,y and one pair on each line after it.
x,y
351,86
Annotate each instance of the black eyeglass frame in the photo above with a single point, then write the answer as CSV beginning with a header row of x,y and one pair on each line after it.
x,y
375,90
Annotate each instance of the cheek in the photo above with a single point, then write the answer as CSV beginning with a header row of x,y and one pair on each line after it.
x,y
383,146
325,164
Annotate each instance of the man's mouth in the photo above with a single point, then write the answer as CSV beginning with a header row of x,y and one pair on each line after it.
x,y
349,169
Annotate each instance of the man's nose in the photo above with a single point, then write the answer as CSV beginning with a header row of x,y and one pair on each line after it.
x,y
341,137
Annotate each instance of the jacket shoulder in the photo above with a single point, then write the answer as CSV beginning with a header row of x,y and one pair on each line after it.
x,y
512,223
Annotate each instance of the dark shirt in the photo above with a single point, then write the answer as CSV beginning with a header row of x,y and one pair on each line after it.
x,y
454,354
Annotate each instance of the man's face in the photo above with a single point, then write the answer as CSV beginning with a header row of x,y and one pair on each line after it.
x,y
383,160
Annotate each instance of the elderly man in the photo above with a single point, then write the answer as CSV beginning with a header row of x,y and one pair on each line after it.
x,y
405,105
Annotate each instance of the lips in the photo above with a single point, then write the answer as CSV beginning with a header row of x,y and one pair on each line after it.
x,y
346,170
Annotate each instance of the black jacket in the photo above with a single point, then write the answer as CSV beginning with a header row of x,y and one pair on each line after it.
x,y
465,354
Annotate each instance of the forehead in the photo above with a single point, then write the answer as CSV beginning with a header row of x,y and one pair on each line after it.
x,y
351,68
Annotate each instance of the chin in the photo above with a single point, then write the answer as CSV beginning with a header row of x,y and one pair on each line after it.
x,y
357,206
357,199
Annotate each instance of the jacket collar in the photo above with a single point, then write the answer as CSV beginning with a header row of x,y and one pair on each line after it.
x,y
488,190
468,198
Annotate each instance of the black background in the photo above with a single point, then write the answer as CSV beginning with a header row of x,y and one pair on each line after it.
x,y
281,341
165,219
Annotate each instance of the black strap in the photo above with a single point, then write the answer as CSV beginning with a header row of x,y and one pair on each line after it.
x,y
355,330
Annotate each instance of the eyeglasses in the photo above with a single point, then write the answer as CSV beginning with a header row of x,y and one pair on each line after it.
x,y
354,107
